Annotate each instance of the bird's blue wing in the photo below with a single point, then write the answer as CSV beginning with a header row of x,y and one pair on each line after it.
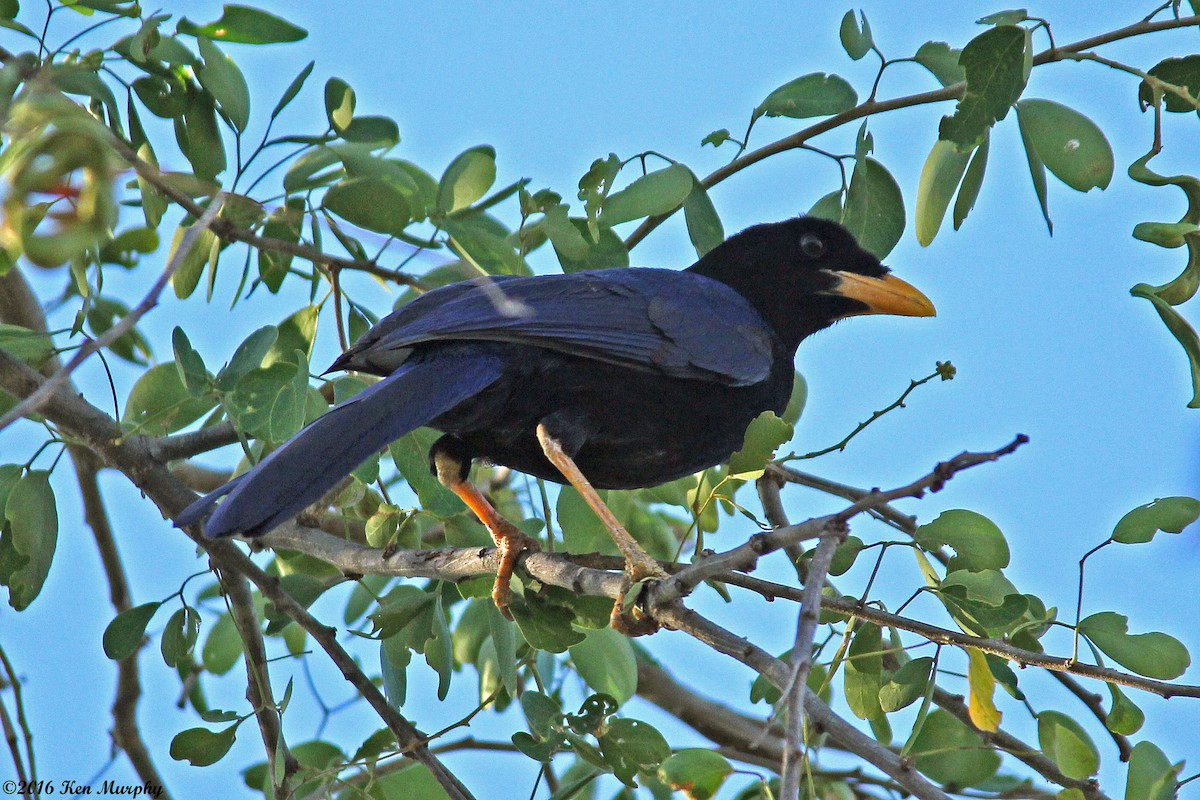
x,y
674,323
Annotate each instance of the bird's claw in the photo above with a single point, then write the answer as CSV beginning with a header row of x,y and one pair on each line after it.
x,y
628,617
511,542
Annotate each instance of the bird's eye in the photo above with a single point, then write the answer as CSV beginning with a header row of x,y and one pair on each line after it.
x,y
812,246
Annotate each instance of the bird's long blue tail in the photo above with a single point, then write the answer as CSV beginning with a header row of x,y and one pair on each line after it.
x,y
311,463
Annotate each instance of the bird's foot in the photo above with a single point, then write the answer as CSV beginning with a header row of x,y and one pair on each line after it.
x,y
511,542
628,615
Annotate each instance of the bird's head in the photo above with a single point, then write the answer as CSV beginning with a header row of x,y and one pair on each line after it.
x,y
804,274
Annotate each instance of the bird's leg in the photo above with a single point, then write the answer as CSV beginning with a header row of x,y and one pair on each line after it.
x,y
639,564
452,470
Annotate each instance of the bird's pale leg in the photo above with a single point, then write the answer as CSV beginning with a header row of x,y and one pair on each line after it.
x,y
639,564
509,539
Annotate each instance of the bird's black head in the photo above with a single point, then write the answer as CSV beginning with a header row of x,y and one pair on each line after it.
x,y
806,273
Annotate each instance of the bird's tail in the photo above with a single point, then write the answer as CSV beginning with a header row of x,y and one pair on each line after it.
x,y
304,468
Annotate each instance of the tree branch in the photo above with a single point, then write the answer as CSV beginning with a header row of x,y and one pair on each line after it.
x,y
872,106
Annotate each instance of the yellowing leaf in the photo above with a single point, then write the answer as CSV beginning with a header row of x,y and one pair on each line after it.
x,y
982,706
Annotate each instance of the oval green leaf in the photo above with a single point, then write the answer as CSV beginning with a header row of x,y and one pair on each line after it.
x,y
606,663
655,192
696,772
225,82
815,95
943,170
1167,514
1155,655
467,179
874,210
124,634
977,542
1071,146
1065,742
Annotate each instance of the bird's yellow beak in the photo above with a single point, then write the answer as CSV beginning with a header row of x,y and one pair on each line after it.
x,y
886,295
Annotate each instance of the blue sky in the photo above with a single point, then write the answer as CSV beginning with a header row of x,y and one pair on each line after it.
x,y
1046,339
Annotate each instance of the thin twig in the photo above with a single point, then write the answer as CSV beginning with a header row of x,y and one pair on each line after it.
x,y
802,648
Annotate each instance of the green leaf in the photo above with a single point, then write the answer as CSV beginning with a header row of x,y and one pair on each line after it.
x,y
605,251
1037,172
199,137
546,626
225,82
245,25
179,636
439,653
797,400
874,208
1183,72
845,555
23,344
293,89
703,225
484,241
248,356
606,663
983,603
542,712
696,772
864,672
201,747
1067,744
994,63
265,401
813,95
657,192
193,262
189,363
159,403
1124,717
410,455
370,202
339,103
283,225
1179,327
1151,774
222,647
951,753
297,332
467,179
828,207
504,639
630,745
764,435
1071,146
856,38
124,634
1167,514
375,130
1155,655
943,61
906,685
977,542
1010,17
972,182
943,170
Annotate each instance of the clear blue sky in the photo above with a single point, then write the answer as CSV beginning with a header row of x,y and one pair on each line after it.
x,y
1046,339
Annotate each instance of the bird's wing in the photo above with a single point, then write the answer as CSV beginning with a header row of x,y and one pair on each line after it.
x,y
673,323
302,470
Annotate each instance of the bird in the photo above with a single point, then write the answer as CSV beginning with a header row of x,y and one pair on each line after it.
x,y
604,379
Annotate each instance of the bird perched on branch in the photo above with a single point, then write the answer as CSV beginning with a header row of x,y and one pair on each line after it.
x,y
611,379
